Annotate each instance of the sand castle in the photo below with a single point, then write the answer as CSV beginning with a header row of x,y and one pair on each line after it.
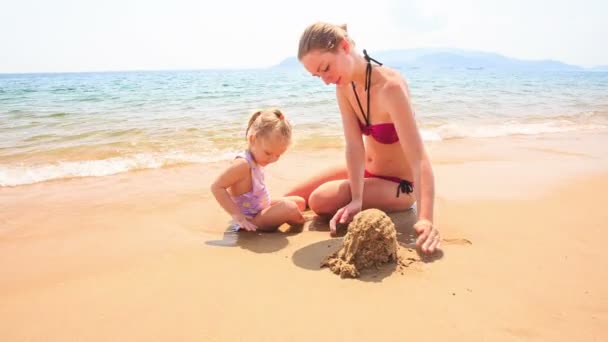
x,y
371,240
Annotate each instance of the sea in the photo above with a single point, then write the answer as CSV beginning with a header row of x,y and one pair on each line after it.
x,y
65,125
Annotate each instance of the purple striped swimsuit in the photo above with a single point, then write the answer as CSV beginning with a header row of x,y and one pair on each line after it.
x,y
252,202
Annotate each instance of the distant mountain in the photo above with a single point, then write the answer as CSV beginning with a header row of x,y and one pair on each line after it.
x,y
289,62
455,59
600,68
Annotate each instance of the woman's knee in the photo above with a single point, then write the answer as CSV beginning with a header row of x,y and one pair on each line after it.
x,y
324,201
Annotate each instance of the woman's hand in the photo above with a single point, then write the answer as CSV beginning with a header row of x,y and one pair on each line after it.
x,y
344,215
244,222
428,239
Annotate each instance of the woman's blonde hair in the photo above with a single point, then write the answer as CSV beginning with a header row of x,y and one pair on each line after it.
x,y
323,37
265,123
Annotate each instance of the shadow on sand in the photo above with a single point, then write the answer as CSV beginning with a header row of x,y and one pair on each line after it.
x,y
257,242
312,256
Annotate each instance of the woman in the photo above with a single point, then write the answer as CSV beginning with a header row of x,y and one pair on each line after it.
x,y
392,166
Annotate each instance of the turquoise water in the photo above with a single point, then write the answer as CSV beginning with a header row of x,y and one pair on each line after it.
x,y
95,124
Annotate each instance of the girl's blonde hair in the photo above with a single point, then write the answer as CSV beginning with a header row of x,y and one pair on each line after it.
x,y
323,37
265,123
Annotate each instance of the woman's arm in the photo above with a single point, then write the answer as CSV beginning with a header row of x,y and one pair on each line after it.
x,y
355,161
397,99
355,150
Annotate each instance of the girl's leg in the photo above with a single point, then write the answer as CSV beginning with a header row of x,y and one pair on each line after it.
x,y
377,193
305,188
299,201
284,210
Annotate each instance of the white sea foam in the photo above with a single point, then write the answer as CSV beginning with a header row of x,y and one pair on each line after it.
x,y
13,175
509,128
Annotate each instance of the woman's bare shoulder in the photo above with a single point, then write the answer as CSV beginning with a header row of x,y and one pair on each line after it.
x,y
394,81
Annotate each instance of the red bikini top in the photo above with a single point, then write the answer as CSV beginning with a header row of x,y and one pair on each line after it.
x,y
384,133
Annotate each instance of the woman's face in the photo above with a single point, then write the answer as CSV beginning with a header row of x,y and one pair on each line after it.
x,y
333,67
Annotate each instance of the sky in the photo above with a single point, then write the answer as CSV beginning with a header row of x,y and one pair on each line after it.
x,y
87,35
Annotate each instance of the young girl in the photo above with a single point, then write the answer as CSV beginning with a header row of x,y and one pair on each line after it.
x,y
241,190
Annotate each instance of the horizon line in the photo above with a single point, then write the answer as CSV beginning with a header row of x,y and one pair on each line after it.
x,y
229,68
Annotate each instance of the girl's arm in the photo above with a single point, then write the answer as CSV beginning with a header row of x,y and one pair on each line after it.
x,y
237,171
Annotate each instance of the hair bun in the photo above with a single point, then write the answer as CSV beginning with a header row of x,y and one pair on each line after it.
x,y
279,114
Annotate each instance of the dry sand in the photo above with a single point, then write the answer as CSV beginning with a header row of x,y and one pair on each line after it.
x,y
144,256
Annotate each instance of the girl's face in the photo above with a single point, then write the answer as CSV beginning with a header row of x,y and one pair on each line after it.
x,y
333,67
267,150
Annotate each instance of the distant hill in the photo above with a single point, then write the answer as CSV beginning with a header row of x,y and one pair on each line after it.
x,y
600,68
456,59
289,62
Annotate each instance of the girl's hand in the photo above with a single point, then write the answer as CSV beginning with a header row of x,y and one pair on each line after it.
x,y
344,215
244,222
429,239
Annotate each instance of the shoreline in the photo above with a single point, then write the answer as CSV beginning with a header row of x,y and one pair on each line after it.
x,y
68,170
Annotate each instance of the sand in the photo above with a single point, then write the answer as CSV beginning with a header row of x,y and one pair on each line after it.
x,y
145,256
370,242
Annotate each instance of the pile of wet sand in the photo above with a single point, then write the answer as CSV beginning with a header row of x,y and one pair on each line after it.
x,y
371,241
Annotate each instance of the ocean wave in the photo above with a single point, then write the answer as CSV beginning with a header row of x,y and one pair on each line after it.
x,y
15,175
510,128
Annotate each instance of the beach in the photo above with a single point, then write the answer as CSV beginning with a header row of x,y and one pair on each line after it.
x,y
145,256
121,121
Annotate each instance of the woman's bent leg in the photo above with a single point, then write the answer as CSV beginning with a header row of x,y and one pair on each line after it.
x,y
305,188
326,199
377,193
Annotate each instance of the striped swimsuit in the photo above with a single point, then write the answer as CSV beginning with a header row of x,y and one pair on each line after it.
x,y
254,201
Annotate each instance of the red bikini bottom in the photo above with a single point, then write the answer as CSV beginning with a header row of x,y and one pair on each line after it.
x,y
403,185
